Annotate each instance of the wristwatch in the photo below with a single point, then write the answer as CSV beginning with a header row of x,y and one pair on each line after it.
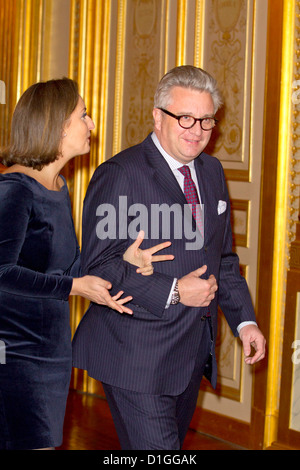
x,y
175,295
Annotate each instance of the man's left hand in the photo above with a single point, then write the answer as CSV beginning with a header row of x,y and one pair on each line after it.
x,y
251,335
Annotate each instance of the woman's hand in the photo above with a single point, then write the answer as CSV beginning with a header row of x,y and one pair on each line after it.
x,y
144,258
96,290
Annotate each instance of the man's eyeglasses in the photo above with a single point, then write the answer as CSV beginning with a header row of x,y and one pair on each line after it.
x,y
187,122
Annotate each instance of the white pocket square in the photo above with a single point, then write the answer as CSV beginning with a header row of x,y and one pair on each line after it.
x,y
222,207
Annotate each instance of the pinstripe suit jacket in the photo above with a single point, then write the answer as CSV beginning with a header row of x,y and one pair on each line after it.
x,y
154,350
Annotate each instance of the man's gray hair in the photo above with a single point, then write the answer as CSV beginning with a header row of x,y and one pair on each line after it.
x,y
186,76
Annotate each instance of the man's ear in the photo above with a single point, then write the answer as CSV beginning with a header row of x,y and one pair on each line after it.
x,y
157,116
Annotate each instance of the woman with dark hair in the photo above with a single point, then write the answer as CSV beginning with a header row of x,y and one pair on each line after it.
x,y
40,264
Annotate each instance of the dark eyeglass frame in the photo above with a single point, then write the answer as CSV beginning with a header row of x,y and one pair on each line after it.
x,y
191,117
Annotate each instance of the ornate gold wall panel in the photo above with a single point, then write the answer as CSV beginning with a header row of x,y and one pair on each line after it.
x,y
287,212
88,65
155,35
228,56
234,51
21,50
294,163
141,68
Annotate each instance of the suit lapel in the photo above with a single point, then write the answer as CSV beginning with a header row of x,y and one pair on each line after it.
x,y
162,173
205,188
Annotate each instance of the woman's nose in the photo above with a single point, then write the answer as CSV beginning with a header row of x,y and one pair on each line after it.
x,y
91,123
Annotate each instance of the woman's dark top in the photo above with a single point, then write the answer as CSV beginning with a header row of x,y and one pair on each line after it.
x,y
39,256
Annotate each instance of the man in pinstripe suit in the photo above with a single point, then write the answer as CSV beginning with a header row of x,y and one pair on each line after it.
x,y
151,363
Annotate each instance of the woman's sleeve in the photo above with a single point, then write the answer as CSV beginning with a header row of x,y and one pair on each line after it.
x,y
15,210
75,269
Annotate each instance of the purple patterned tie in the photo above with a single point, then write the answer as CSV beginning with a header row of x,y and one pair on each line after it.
x,y
191,195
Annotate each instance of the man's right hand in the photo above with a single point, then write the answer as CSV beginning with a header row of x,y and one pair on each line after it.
x,y
197,292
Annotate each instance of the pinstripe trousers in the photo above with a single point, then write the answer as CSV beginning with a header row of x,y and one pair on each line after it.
x,y
144,421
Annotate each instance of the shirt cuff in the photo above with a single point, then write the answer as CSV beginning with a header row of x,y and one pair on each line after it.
x,y
245,323
171,292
